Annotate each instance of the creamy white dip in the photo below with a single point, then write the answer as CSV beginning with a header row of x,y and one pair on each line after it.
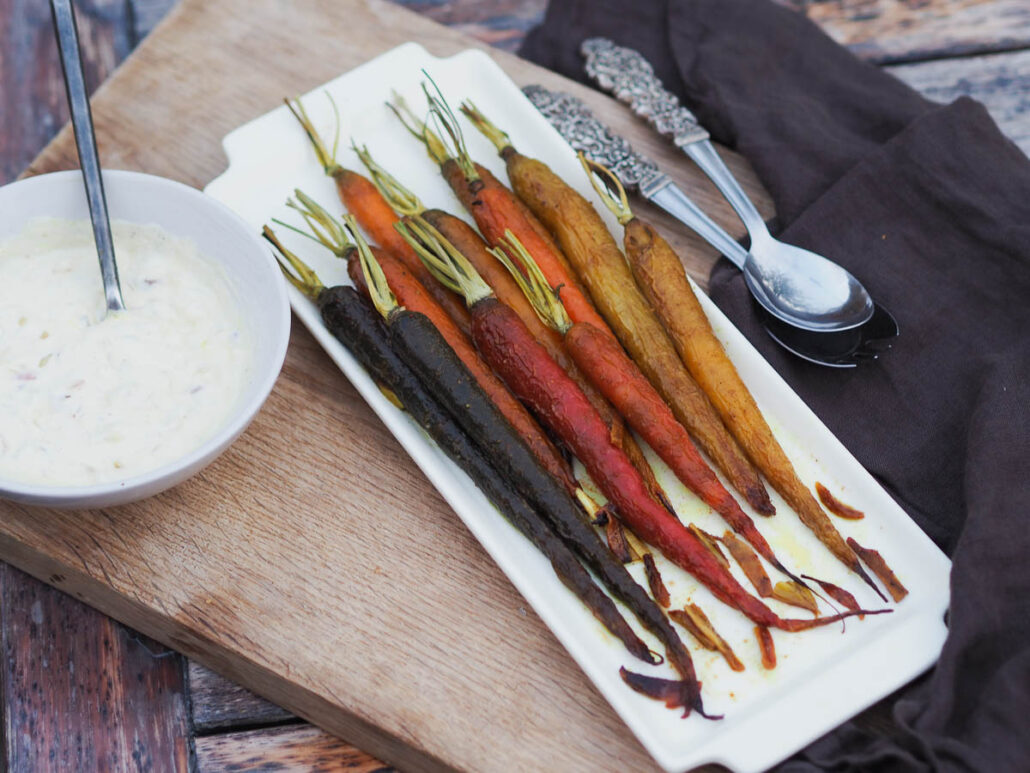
x,y
88,399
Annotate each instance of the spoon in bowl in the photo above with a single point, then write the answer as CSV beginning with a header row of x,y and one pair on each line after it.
x,y
85,141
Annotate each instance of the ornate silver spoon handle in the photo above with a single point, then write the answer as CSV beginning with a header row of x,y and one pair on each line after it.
x,y
578,126
631,79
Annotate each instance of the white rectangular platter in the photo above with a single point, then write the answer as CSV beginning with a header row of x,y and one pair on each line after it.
x,y
824,676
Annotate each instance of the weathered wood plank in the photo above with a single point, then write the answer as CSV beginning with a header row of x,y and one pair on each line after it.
x,y
217,703
501,23
907,30
30,73
1000,81
82,692
877,30
291,748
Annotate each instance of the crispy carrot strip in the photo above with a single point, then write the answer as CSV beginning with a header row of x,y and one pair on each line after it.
x,y
876,562
700,627
748,561
796,595
765,644
835,506
654,581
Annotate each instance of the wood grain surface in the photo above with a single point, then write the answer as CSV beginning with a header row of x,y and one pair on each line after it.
x,y
294,748
43,722
77,681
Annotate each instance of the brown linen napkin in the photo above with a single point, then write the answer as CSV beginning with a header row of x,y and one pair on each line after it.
x,y
929,206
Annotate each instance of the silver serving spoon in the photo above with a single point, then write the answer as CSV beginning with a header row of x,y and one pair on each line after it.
x,y
795,285
578,126
85,141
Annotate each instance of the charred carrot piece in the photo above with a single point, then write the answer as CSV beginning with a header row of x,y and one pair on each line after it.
x,y
881,569
835,506
766,647
659,272
413,295
352,319
696,621
598,261
363,200
471,245
560,404
620,380
421,346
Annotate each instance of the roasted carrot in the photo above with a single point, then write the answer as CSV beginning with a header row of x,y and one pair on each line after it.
x,y
422,348
352,319
563,408
881,569
835,506
471,245
765,646
696,621
363,200
620,380
413,295
598,261
496,209
659,272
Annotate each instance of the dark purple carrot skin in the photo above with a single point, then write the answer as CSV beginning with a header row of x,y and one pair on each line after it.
x,y
352,319
420,345
412,295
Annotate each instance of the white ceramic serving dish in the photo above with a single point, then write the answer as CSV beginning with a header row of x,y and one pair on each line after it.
x,y
823,677
223,237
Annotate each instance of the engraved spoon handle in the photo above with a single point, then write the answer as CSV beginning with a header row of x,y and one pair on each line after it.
x,y
585,133
631,79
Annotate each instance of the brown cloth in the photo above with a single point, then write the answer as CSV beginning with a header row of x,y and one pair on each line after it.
x,y
929,206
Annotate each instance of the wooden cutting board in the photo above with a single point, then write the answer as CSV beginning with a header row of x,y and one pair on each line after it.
x,y
313,562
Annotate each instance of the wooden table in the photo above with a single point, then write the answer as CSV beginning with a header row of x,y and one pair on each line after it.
x,y
79,690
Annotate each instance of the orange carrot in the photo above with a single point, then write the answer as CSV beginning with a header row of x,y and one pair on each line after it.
x,y
364,201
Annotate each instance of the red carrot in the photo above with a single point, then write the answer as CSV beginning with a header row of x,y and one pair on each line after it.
x,y
540,382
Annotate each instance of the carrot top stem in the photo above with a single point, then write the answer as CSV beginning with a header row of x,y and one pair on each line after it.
x,y
444,261
375,280
497,136
399,197
326,157
531,280
608,187
418,129
324,227
301,276
445,118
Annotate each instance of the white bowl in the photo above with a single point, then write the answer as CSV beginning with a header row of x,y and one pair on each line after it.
x,y
222,236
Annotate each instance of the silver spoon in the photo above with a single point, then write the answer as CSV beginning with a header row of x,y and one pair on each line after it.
x,y
85,141
794,285
839,348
